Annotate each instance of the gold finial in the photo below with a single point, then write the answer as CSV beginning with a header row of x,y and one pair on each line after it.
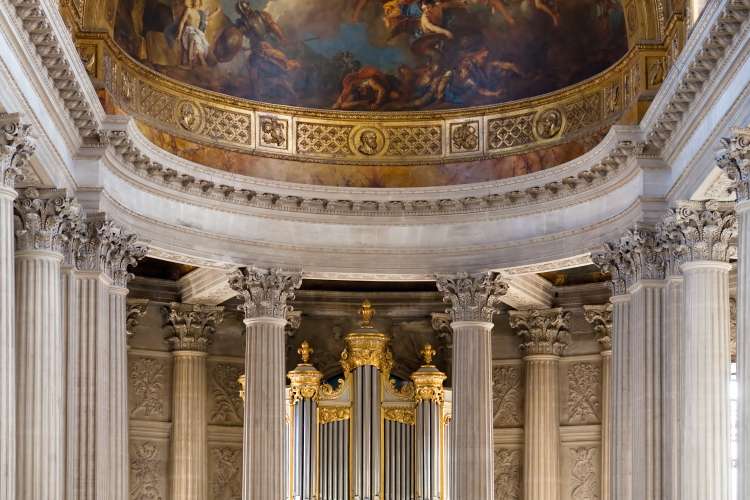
x,y
366,312
427,353
305,351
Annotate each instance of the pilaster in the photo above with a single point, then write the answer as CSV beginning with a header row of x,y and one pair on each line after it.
x,y
543,333
600,318
190,330
15,147
265,295
474,300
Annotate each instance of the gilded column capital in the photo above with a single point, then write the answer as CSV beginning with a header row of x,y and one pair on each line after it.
x,y
136,309
366,346
16,147
600,318
428,380
635,256
544,331
700,230
473,297
265,293
192,325
305,379
45,219
734,160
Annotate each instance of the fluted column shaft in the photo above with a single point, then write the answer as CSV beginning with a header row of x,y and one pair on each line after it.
x,y
743,345
472,410
542,428
264,452
40,376
7,346
645,354
88,413
606,449
705,409
672,400
621,452
189,440
118,390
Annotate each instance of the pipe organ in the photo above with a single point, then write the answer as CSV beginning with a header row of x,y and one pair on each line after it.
x,y
367,436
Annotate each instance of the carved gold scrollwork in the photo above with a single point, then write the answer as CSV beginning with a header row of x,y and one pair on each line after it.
x,y
333,414
403,415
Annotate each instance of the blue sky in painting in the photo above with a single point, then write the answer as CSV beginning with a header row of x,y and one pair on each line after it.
x,y
353,37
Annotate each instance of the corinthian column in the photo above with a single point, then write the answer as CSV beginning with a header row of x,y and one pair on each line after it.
x,y
705,233
265,295
636,263
191,327
543,333
734,159
15,148
474,300
42,218
600,318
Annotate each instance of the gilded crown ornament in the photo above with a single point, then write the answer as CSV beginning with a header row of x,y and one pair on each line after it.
x,y
366,346
427,354
305,351
305,379
366,313
428,380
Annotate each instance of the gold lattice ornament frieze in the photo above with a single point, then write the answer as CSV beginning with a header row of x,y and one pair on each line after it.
x,y
326,415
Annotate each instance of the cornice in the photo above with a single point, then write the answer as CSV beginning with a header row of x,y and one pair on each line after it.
x,y
703,53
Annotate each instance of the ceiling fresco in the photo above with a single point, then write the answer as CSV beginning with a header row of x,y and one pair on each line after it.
x,y
389,55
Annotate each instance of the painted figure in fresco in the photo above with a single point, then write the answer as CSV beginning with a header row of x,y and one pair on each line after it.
x,y
476,73
366,88
191,33
257,24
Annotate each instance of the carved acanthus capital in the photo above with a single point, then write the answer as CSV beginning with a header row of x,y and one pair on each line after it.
x,y
544,331
16,147
99,245
734,160
700,230
600,318
636,256
474,297
265,293
44,219
136,309
192,325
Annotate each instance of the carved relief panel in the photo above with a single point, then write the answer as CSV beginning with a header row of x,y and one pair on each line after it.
x,y
148,469
580,393
508,473
224,403
581,469
225,472
507,396
149,388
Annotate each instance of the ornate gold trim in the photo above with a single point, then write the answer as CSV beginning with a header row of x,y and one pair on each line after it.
x,y
333,414
394,138
406,416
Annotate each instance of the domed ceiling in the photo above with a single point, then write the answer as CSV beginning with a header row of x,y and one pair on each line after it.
x,y
392,55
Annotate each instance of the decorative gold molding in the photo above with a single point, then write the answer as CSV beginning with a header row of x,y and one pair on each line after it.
x,y
406,416
333,414
385,138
